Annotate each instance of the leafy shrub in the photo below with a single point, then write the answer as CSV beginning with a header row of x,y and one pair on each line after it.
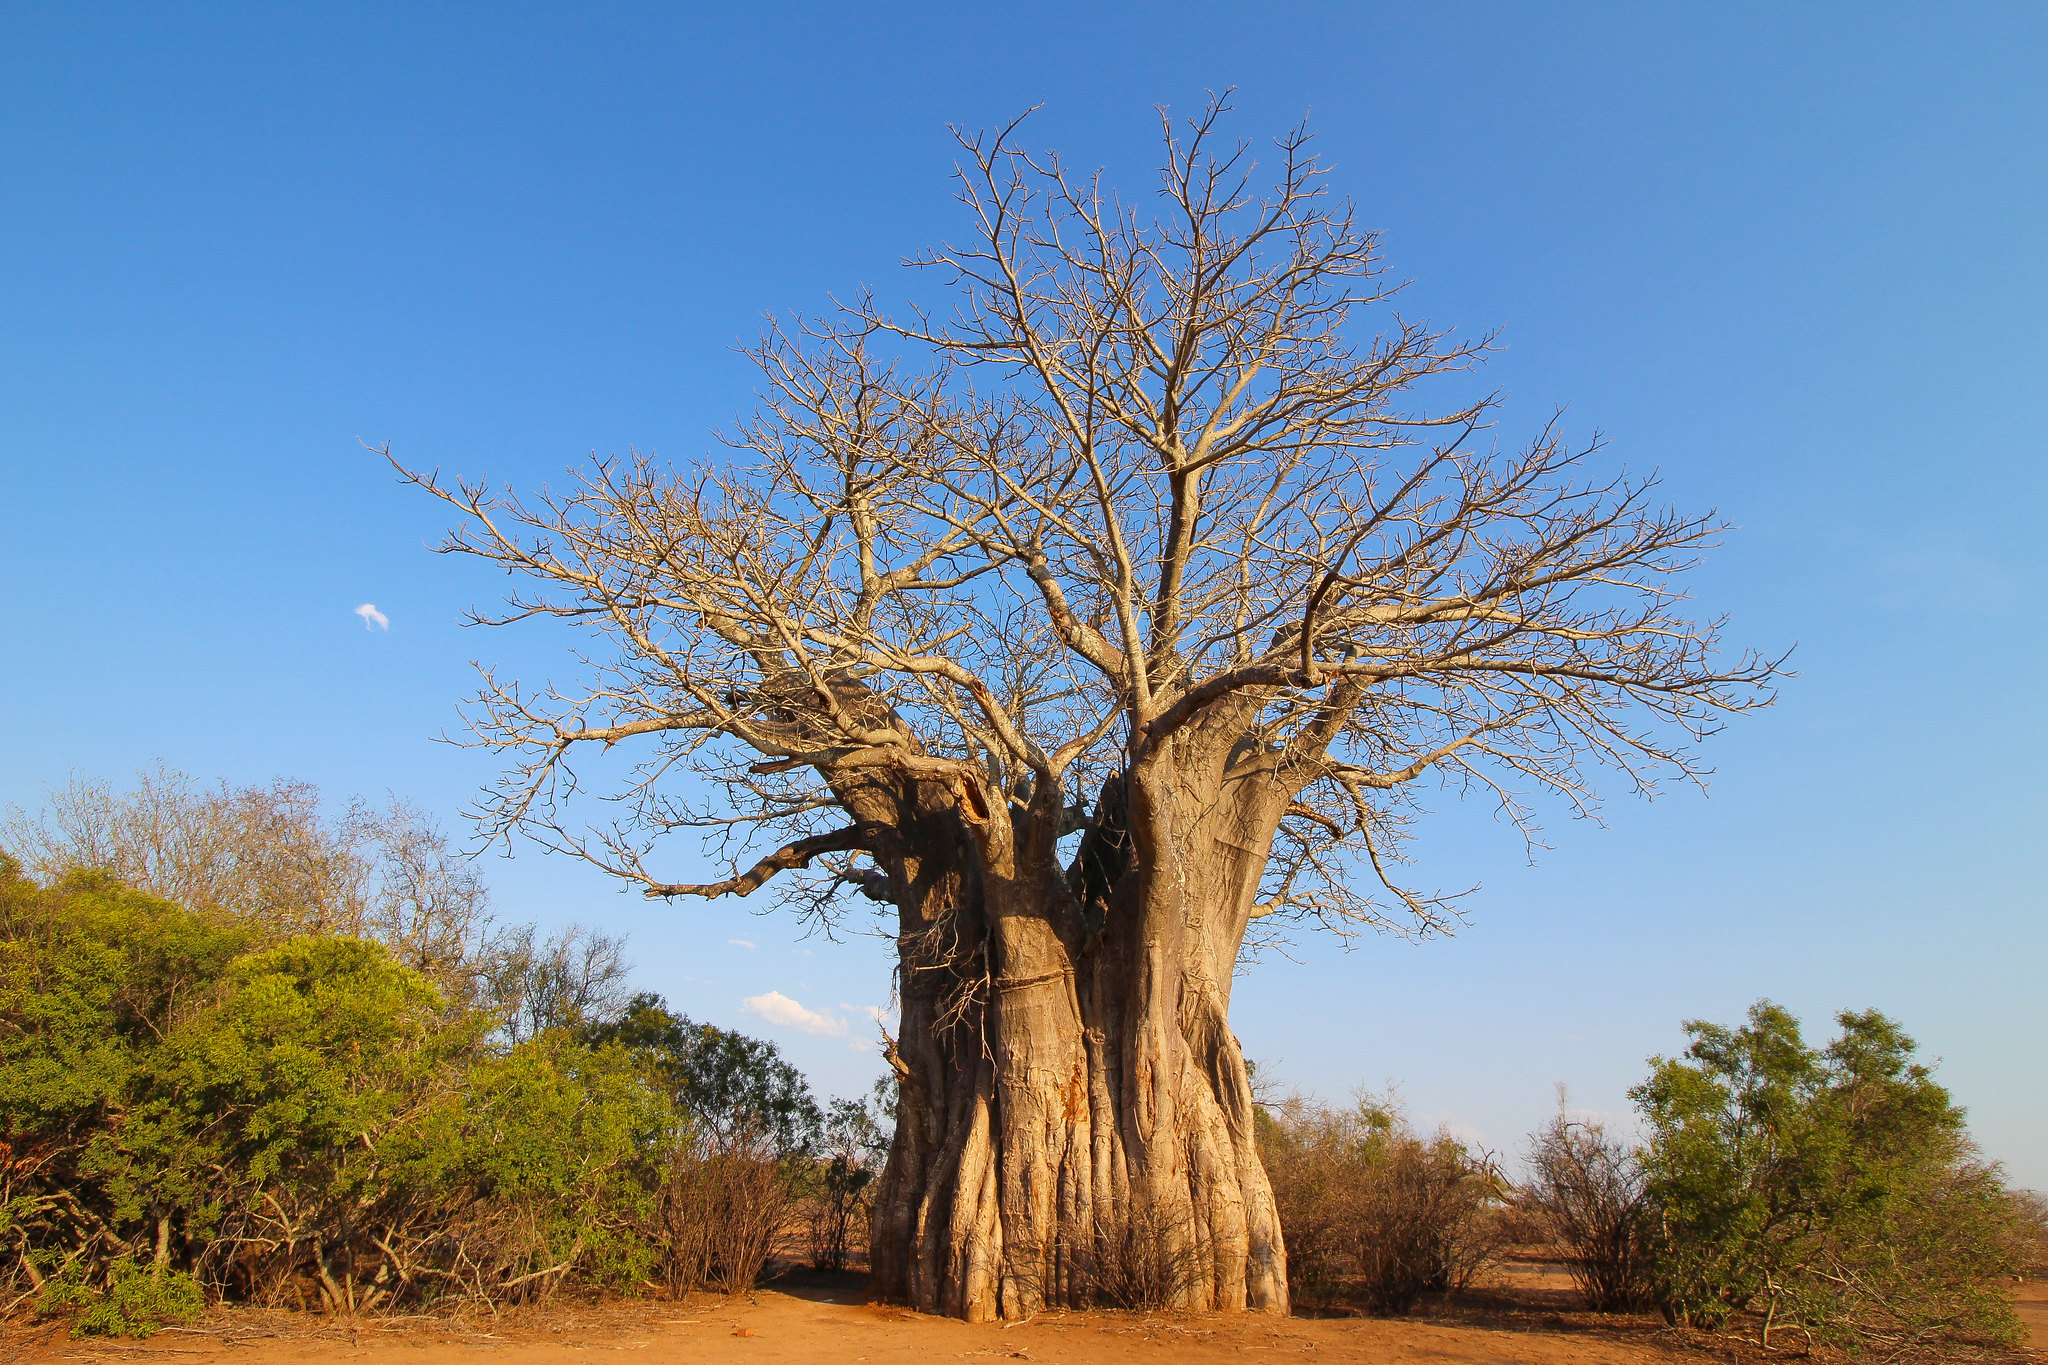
x,y
543,1166
264,1133
309,1121
92,977
1373,1210
135,1302
1833,1192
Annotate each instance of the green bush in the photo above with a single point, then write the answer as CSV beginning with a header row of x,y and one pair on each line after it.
x,y
311,1121
92,979
1832,1192
548,1165
135,1301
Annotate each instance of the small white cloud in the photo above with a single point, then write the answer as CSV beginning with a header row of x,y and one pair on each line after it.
x,y
372,618
740,943
778,1008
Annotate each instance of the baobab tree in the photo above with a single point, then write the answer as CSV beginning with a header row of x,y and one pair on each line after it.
x,y
1123,603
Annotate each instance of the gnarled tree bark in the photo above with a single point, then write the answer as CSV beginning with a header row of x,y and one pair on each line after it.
x,y
1076,1115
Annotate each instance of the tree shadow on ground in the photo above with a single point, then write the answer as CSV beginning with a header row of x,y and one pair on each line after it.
x,y
820,1286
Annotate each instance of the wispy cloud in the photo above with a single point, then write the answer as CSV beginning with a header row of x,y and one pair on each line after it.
x,y
778,1008
740,943
372,618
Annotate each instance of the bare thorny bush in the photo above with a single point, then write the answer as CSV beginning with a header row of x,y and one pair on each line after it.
x,y
1588,1192
721,1208
1377,1214
265,856
1135,1261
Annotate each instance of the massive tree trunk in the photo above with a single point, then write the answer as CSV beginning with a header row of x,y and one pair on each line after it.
x,y
1076,1120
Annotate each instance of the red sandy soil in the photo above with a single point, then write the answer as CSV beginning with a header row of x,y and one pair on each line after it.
x,y
1525,1320
2031,1298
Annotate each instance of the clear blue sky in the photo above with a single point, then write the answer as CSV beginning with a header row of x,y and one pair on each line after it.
x,y
1791,255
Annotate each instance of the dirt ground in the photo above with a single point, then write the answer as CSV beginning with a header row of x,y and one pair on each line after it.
x,y
1526,1318
2031,1299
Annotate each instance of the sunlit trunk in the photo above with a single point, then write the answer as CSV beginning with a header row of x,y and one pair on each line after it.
x,y
1076,1121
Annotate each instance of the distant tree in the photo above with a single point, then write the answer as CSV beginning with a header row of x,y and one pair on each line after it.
x,y
533,983
271,859
852,1145
733,1085
425,901
1154,540
260,855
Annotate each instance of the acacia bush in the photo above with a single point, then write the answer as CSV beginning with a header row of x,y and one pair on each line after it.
x,y
313,1122
1374,1212
1831,1193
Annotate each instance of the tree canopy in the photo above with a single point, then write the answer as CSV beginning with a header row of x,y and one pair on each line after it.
x,y
1153,472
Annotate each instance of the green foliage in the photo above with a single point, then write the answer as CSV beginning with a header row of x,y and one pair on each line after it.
x,y
312,1121
92,979
310,1056
1832,1191
135,1301
737,1088
557,1150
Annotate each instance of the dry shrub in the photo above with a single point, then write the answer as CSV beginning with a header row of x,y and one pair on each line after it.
x,y
2030,1219
1587,1190
1144,1259
720,1210
1373,1211
839,1179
